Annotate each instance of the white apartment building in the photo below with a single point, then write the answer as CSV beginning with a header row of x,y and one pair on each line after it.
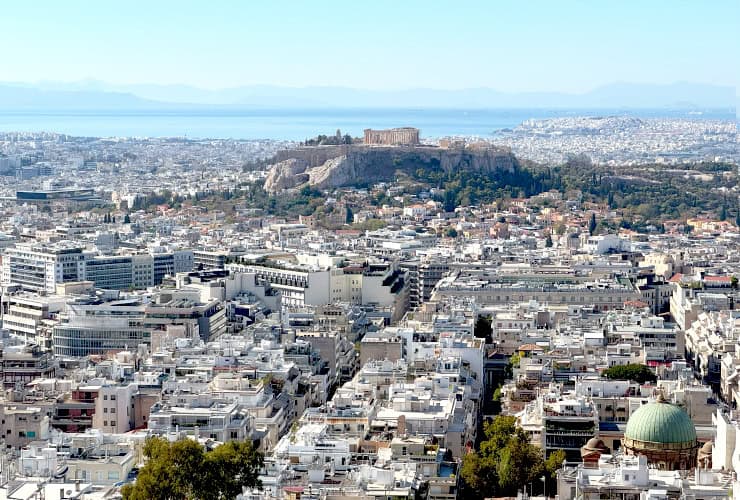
x,y
41,268
309,445
709,339
201,415
32,317
312,285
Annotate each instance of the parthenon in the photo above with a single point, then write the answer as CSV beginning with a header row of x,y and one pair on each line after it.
x,y
391,137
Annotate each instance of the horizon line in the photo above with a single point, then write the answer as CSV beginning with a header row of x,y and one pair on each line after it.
x,y
91,80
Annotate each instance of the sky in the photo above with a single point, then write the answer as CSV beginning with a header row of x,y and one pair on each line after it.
x,y
564,45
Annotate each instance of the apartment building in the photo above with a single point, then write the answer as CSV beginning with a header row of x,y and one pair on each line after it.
x,y
490,288
74,411
20,365
558,421
115,408
183,308
32,317
21,424
377,283
40,268
171,263
120,272
201,415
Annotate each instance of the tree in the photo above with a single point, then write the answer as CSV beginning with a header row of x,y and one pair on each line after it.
x,y
126,219
515,359
169,472
350,216
450,202
229,468
552,464
505,462
520,463
633,371
478,476
482,328
548,241
183,470
592,224
451,233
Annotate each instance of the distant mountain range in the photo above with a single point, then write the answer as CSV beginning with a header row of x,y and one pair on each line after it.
x,y
95,95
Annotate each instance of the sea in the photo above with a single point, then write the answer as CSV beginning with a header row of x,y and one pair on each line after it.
x,y
297,125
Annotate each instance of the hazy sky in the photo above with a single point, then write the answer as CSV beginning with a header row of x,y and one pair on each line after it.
x,y
518,45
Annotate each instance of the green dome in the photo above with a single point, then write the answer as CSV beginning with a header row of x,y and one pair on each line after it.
x,y
661,422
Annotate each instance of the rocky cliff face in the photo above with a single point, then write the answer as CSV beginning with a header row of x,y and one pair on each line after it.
x,y
286,174
362,165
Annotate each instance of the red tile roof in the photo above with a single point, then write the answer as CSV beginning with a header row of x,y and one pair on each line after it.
x,y
676,278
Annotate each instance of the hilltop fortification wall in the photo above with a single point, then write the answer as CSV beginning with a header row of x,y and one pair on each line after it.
x,y
353,165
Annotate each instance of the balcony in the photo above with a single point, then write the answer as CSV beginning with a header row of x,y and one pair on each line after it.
x,y
581,432
584,414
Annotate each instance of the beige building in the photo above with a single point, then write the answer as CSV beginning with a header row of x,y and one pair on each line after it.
x,y
114,408
392,137
102,468
21,424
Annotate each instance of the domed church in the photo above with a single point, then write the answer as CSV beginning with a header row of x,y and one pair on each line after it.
x,y
664,434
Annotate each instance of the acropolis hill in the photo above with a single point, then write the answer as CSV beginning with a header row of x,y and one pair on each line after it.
x,y
362,164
